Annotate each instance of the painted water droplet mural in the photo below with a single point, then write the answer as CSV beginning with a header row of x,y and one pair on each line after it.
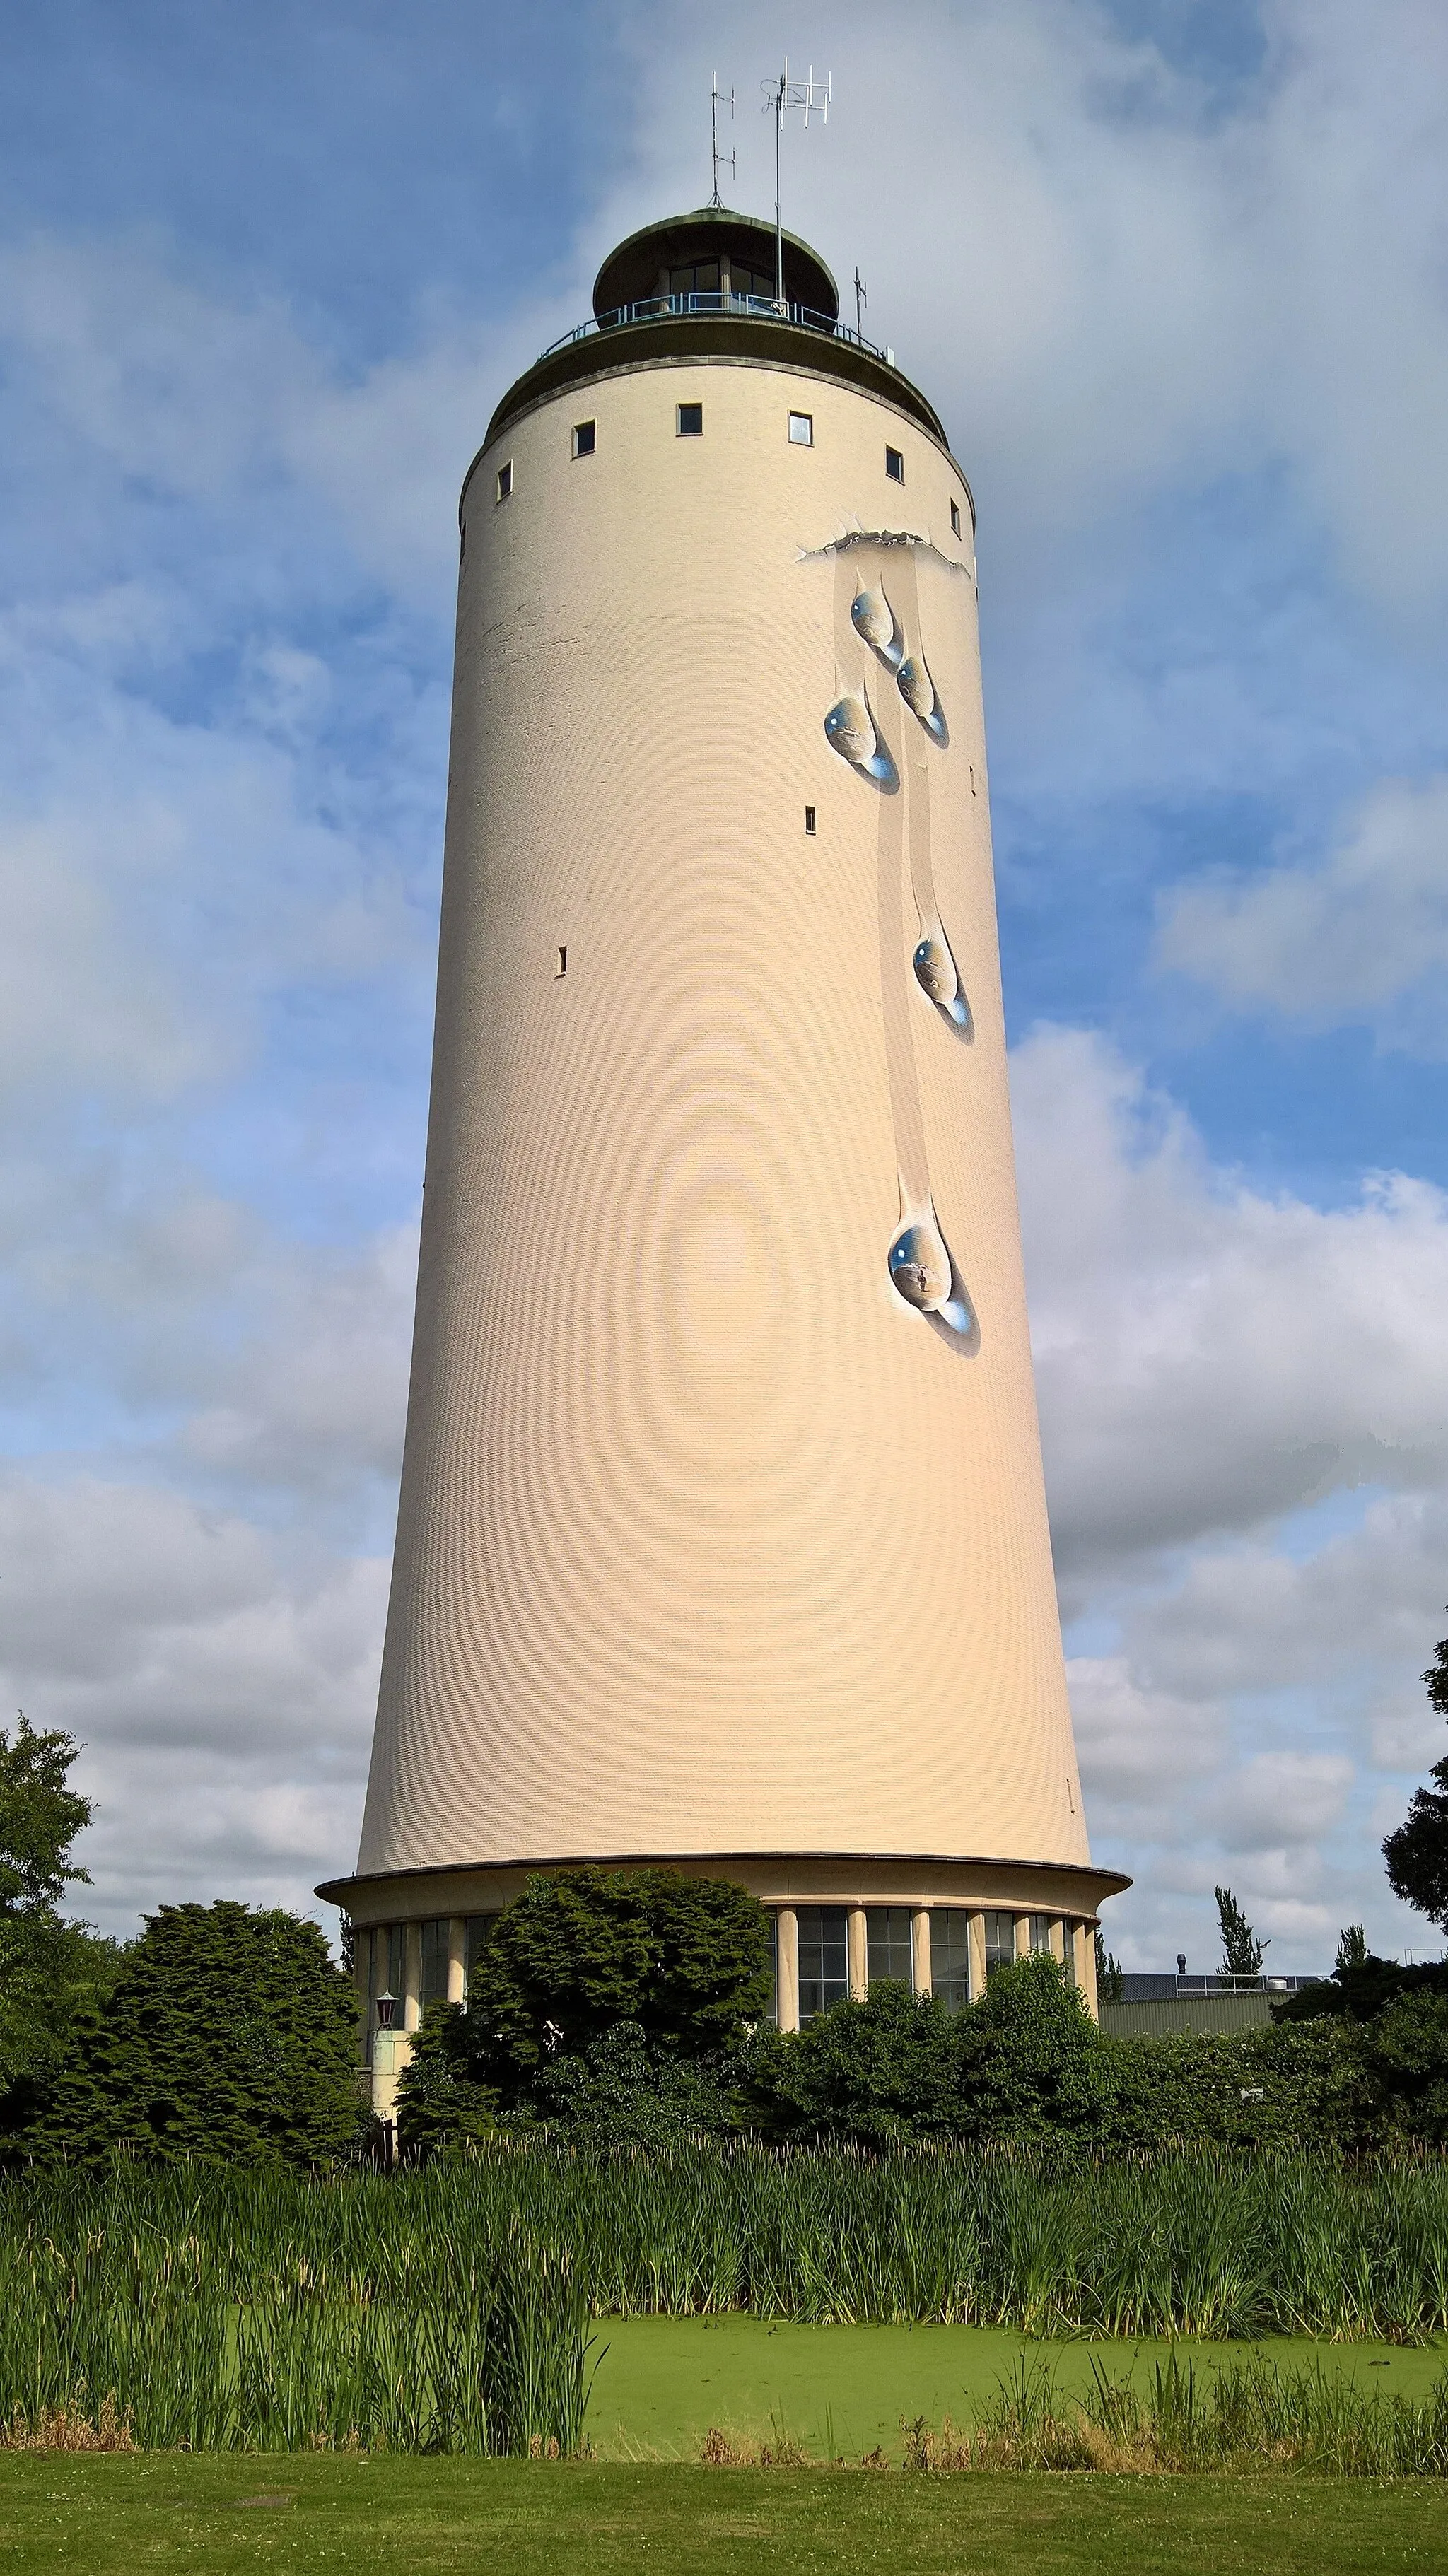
x,y
917,688
938,976
850,729
874,620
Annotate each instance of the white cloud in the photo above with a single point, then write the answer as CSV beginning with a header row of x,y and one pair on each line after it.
x,y
1361,936
1208,1357
1111,274
1245,1416
223,1686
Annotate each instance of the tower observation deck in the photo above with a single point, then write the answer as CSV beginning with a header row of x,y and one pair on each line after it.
x,y
722,1539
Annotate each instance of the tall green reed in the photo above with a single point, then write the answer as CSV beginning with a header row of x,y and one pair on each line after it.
x,y
449,2308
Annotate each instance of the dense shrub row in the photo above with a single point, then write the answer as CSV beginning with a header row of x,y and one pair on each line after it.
x,y
565,2030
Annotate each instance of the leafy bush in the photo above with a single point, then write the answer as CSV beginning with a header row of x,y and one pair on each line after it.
x,y
613,2002
1027,2063
1278,2086
1032,2062
878,2071
229,2037
1404,2056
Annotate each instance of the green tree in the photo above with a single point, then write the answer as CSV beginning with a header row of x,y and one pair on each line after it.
x,y
877,2071
1110,1979
1352,1947
40,1817
1404,2052
1241,1949
690,1960
229,2037
1417,1853
591,1981
50,1970
626,2090
1032,2062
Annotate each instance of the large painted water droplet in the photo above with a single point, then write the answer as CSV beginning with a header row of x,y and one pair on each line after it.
x,y
938,976
850,730
924,1274
920,1266
917,688
874,620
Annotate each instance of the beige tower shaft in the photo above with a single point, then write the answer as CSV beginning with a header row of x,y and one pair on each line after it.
x,y
713,1546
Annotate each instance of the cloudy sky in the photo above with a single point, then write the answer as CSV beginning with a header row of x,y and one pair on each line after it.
x,y
1176,274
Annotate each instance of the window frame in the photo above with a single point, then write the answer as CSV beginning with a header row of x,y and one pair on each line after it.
x,y
832,1989
894,464
504,487
808,419
580,427
694,428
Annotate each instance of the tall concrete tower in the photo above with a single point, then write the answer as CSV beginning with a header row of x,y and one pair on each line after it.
x,y
722,1539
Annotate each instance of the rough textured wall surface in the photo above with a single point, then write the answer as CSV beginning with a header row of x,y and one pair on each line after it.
x,y
710,1540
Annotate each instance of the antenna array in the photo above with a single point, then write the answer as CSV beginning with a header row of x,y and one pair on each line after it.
x,y
716,101
781,95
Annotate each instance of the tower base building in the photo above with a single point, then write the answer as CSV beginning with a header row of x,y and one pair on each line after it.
x,y
722,1541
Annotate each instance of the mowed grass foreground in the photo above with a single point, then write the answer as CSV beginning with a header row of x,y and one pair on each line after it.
x,y
200,2517
451,2310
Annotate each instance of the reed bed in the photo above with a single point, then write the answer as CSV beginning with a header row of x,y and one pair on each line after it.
x,y
1250,2415
449,2309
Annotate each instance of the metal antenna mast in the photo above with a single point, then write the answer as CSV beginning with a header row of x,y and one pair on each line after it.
x,y
716,101
862,298
781,95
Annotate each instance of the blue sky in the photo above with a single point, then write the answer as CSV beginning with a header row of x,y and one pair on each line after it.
x,y
1175,276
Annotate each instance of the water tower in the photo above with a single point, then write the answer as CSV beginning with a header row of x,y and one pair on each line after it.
x,y
722,1540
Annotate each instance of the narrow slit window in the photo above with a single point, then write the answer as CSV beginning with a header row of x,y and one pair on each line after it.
x,y
955,518
562,965
690,420
463,546
505,480
585,437
894,465
801,429
809,818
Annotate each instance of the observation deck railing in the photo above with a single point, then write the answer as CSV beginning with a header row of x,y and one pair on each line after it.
x,y
752,308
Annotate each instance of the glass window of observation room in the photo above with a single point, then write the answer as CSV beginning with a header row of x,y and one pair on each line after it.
x,y
824,1975
434,1961
887,1943
585,437
801,429
1040,1935
950,1957
1000,1942
691,420
894,464
702,279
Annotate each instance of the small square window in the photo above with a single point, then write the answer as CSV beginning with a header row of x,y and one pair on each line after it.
x,y
894,464
585,438
801,429
809,818
691,420
955,518
505,480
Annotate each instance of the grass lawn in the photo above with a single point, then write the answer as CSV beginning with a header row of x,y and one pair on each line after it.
x,y
663,2381
190,2517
